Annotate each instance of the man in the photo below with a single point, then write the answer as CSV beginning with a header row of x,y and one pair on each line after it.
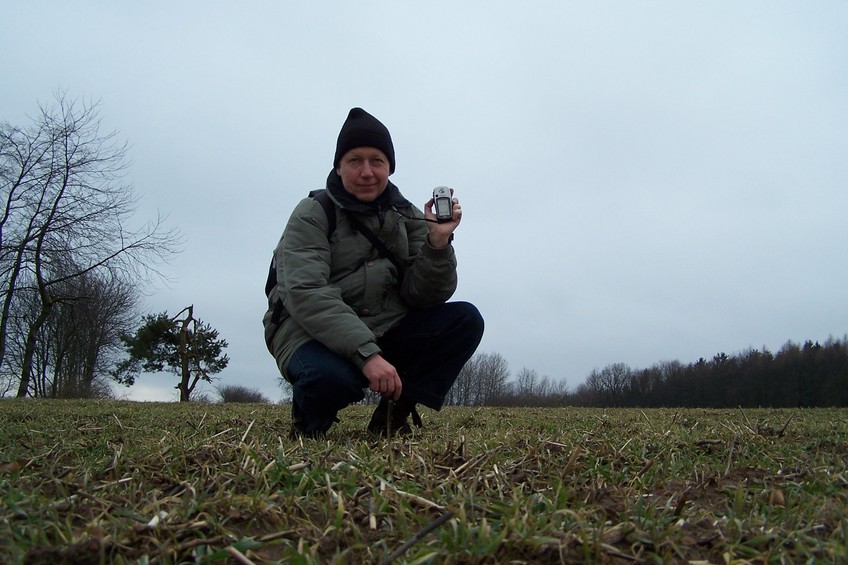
x,y
351,309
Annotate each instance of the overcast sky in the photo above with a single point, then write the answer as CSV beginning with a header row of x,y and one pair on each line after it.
x,y
640,181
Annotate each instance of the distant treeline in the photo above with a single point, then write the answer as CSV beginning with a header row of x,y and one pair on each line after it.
x,y
808,375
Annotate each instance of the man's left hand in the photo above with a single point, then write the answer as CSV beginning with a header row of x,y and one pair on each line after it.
x,y
440,232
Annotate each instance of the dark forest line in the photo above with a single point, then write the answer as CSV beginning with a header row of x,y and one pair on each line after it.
x,y
811,374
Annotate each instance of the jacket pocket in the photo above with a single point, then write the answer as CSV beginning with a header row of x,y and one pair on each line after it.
x,y
379,279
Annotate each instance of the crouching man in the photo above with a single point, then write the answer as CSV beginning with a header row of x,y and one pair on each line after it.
x,y
358,290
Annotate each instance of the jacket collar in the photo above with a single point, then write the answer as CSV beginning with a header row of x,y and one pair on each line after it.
x,y
390,198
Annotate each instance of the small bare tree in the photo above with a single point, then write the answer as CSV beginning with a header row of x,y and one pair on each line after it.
x,y
528,385
493,374
607,386
481,381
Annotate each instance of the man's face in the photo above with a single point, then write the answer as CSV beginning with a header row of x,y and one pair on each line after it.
x,y
364,172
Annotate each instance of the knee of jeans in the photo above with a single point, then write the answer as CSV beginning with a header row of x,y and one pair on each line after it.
x,y
341,384
324,398
472,318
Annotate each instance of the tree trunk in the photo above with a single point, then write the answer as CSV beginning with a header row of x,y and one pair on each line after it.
x,y
29,351
11,286
185,390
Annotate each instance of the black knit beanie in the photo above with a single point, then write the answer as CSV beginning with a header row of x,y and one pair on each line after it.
x,y
361,129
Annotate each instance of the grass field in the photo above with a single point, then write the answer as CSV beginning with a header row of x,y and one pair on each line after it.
x,y
121,482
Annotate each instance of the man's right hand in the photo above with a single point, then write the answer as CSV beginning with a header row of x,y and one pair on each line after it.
x,y
382,377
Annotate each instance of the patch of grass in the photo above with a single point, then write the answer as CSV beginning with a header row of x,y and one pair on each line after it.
x,y
122,482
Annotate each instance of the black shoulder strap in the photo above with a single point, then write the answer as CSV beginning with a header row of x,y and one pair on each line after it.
x,y
377,243
330,210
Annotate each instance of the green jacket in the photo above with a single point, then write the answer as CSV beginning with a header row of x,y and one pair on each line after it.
x,y
339,290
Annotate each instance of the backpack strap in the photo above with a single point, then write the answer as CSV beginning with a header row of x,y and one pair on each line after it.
x,y
330,211
377,243
329,207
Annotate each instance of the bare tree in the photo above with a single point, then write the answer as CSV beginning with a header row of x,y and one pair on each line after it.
x,y
607,386
86,333
493,377
481,381
527,384
460,394
66,213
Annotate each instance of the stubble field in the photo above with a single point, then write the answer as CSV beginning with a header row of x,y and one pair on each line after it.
x,y
122,482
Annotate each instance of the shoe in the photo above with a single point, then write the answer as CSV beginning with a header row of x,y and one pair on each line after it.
x,y
296,430
391,418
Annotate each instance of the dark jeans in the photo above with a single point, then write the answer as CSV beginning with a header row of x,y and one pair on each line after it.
x,y
428,347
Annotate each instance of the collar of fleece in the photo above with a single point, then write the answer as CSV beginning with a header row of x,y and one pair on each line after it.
x,y
391,197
